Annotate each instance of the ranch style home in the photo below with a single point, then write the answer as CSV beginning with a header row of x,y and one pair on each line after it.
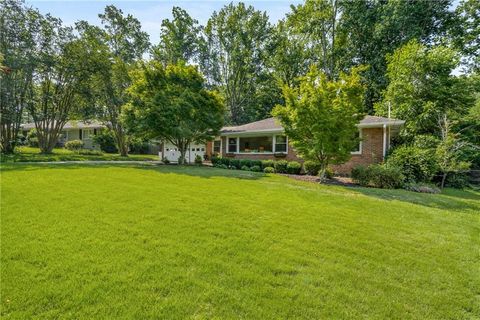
x,y
74,130
265,139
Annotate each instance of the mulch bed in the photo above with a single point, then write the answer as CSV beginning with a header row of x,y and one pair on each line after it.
x,y
338,181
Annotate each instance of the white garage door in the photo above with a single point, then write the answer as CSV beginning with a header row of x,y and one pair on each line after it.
x,y
172,153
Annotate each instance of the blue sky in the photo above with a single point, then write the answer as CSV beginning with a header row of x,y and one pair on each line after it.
x,y
151,13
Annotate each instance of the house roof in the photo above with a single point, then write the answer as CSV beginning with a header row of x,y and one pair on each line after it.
x,y
73,124
273,125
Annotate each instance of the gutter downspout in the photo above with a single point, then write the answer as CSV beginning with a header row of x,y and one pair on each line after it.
x,y
384,141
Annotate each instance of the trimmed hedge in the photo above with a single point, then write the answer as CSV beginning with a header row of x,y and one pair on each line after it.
x,y
311,167
269,170
256,169
268,163
293,167
379,176
281,166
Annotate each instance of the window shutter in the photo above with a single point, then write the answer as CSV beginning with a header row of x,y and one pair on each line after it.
x,y
80,134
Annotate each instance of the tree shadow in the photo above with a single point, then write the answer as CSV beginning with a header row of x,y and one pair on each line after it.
x,y
190,170
449,199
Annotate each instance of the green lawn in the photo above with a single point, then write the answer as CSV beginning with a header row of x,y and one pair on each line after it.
x,y
28,154
150,242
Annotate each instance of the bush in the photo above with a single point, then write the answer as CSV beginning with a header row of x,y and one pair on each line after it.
x,y
74,145
293,167
222,166
360,176
165,160
198,160
385,177
281,166
90,152
138,146
245,163
245,168
379,176
31,139
235,163
215,160
416,164
268,163
329,173
105,139
256,163
225,161
269,170
256,169
311,167
457,180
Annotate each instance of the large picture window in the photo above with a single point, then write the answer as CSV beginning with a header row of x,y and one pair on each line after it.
x,y
256,144
232,145
281,144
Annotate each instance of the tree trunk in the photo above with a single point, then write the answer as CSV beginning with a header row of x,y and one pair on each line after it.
x,y
121,141
444,178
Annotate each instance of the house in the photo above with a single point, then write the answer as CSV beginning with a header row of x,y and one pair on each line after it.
x,y
74,130
266,139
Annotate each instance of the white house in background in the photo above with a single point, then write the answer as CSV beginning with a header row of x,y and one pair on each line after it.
x,y
74,130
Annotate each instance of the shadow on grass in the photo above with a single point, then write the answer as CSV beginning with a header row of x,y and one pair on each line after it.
x,y
449,199
190,170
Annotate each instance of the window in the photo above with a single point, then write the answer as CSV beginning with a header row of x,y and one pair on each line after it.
x,y
280,144
216,146
87,133
232,144
358,147
256,144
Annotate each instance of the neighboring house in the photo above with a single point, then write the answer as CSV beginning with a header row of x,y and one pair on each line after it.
x,y
265,139
74,130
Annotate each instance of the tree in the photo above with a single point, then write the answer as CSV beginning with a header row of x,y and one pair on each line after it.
x,y
320,116
233,57
449,150
466,33
19,27
179,39
172,103
422,88
58,77
126,45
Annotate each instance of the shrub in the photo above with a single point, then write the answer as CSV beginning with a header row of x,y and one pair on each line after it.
x,y
385,177
138,146
416,164
235,163
225,161
198,160
311,167
245,162
215,160
293,167
256,163
360,175
329,173
281,166
268,163
457,180
32,139
222,166
269,170
245,168
106,141
379,176
166,161
74,145
256,169
90,152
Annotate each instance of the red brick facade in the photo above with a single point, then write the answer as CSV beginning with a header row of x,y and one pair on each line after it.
x,y
372,152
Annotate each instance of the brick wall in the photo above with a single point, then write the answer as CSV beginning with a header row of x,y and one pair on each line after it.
x,y
372,152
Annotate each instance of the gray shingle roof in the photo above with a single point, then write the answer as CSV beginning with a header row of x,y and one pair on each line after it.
x,y
272,124
73,124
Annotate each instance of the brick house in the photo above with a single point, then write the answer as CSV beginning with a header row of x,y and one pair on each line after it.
x,y
265,139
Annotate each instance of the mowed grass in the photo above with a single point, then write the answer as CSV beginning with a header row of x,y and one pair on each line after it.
x,y
146,242
29,154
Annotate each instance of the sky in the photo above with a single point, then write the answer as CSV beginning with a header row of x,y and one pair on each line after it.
x,y
151,13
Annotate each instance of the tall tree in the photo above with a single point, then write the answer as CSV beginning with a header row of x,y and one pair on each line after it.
x,y
173,104
466,33
179,39
422,87
372,29
233,58
19,29
320,116
58,77
127,43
